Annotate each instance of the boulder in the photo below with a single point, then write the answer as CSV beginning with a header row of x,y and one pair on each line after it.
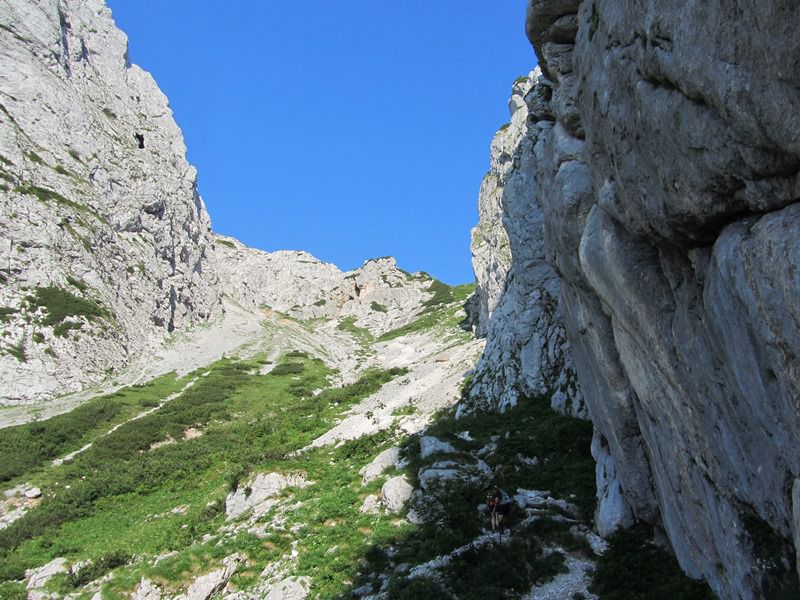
x,y
38,577
477,472
205,586
429,445
395,493
258,495
386,459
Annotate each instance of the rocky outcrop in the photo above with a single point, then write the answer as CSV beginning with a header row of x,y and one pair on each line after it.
x,y
666,164
377,296
527,352
105,244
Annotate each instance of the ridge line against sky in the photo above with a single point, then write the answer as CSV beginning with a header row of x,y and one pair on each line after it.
x,y
347,130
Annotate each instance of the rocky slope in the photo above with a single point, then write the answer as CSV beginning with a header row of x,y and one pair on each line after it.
x,y
665,162
105,245
378,295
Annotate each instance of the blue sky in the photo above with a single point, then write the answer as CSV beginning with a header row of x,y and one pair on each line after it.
x,y
349,129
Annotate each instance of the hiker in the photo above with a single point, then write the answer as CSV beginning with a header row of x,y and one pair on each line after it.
x,y
499,505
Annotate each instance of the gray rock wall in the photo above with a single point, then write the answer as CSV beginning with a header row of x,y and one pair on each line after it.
x,y
83,208
517,289
667,168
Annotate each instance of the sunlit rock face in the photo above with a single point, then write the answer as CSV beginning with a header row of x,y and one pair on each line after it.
x,y
516,300
96,200
665,173
377,296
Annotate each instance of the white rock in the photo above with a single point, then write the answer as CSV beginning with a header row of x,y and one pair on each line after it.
x,y
395,493
386,459
477,472
146,590
33,492
205,586
39,577
370,505
262,490
429,445
291,588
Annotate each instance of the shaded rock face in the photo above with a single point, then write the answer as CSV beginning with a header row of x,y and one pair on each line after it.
x,y
527,352
96,199
666,165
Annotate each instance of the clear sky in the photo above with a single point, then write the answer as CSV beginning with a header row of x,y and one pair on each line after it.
x,y
351,129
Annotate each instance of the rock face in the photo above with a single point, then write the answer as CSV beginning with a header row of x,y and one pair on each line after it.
x,y
666,163
377,296
527,352
105,244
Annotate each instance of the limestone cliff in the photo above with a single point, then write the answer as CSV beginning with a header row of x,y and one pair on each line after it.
x,y
517,290
666,165
105,244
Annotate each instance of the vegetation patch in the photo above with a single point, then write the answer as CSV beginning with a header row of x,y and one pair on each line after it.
x,y
116,497
34,157
226,243
59,304
25,447
47,196
7,313
378,307
634,567
362,335
445,316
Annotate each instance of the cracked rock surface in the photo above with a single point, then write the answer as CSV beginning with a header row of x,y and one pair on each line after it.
x,y
85,209
665,165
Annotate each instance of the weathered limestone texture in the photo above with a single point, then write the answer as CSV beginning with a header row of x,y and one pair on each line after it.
x,y
666,164
378,296
96,200
517,293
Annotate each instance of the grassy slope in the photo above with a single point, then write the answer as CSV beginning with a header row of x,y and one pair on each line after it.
x,y
114,503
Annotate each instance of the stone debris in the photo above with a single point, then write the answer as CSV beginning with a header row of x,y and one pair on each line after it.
x,y
566,585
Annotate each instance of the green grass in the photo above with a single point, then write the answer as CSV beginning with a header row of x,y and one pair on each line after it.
x,y
7,313
34,157
43,441
362,335
378,307
59,304
109,113
444,310
74,154
47,196
120,486
226,243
